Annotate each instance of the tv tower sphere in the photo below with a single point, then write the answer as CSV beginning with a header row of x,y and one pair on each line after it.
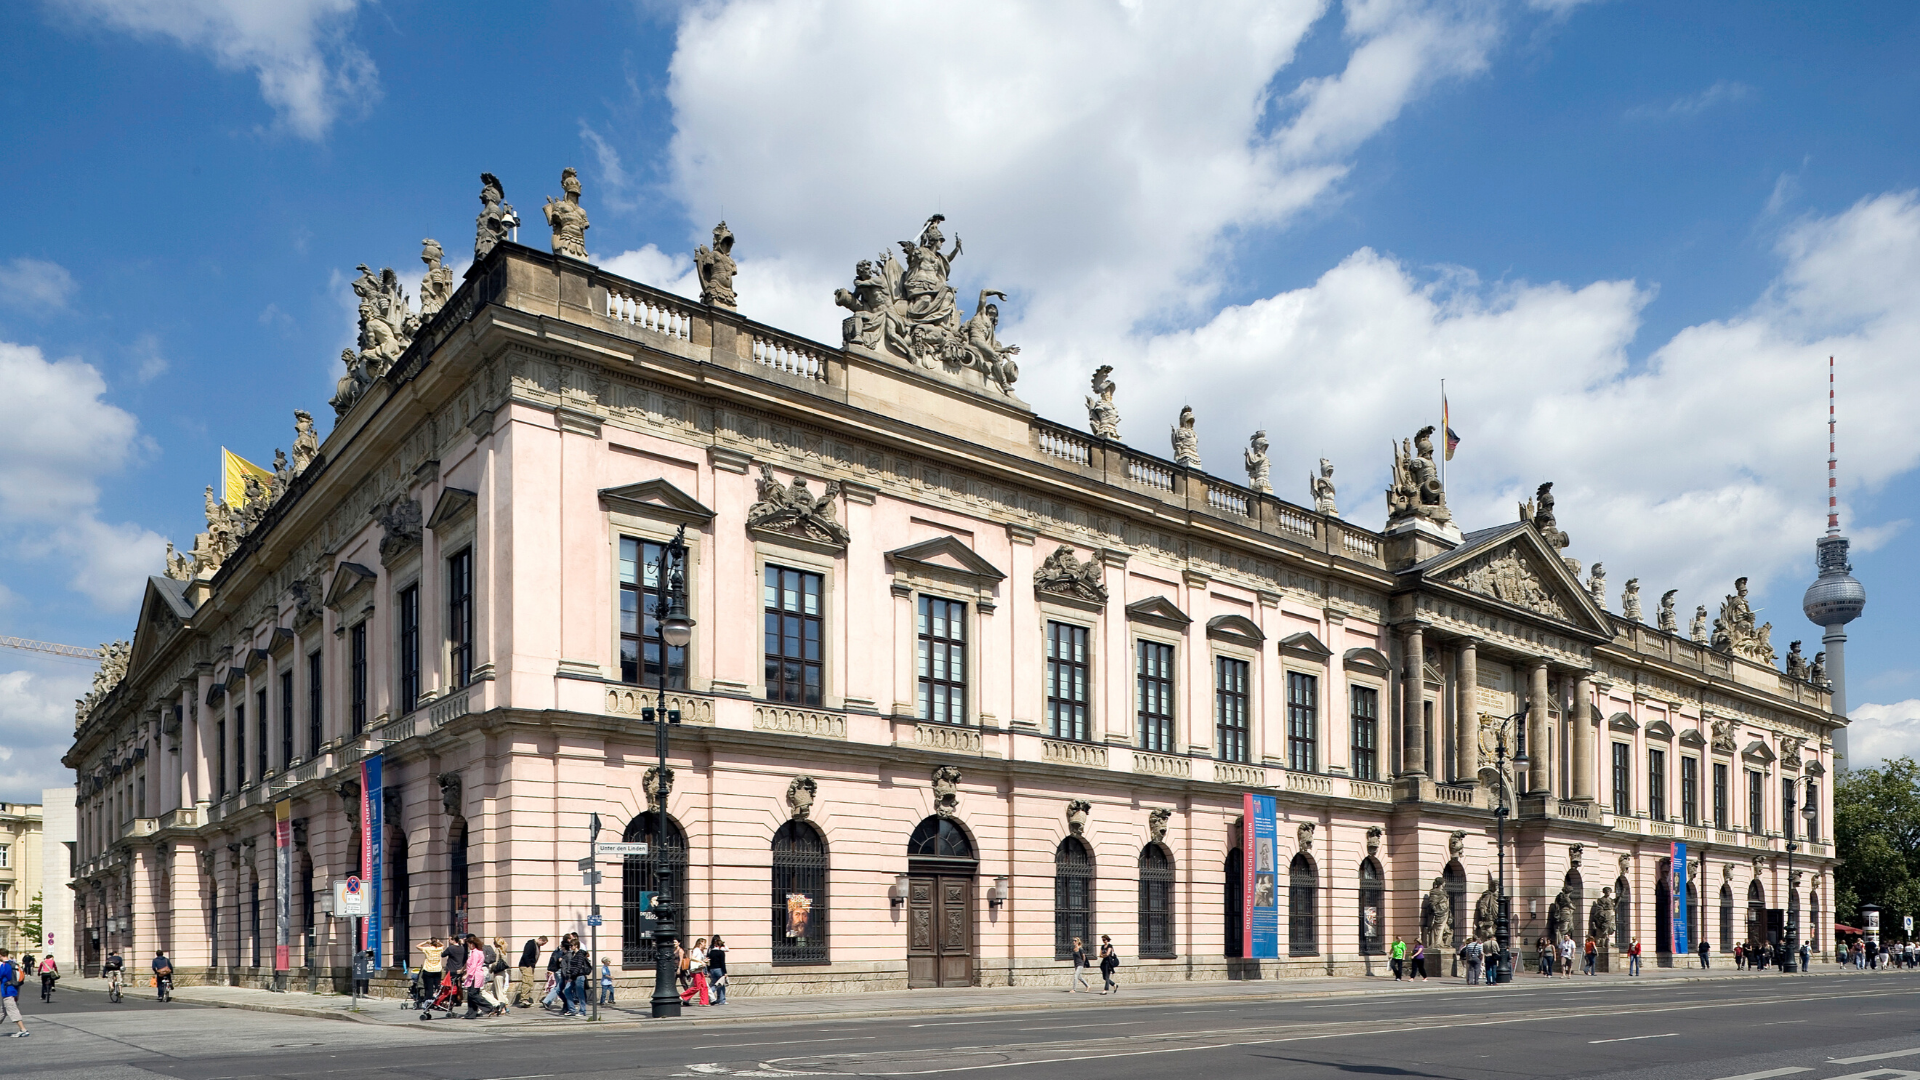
x,y
1834,598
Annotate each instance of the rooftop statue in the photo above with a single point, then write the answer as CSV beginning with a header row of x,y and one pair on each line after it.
x,y
1103,417
1539,510
909,311
1416,491
113,668
1796,661
1322,490
1817,671
567,220
437,287
1597,585
497,219
1186,444
1259,470
386,326
282,476
716,268
306,444
1743,637
1630,600
351,385
179,564
1669,620
1698,631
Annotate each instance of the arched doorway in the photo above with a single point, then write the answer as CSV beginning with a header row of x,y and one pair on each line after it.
x,y
1756,914
1623,913
1663,910
941,865
1234,907
640,875
1372,907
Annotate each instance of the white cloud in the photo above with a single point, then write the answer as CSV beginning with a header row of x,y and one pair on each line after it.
x,y
308,71
36,725
58,439
35,285
1723,92
1881,732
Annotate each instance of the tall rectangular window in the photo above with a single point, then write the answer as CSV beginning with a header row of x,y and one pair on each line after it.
x,y
316,686
1786,807
286,720
460,619
140,796
1657,785
409,648
1153,694
796,631
239,746
1365,722
1756,808
1230,700
943,660
220,774
1721,796
1067,669
1813,803
357,676
1622,778
1690,790
1303,720
640,641
260,732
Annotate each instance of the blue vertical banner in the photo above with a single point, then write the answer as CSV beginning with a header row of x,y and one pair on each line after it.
x,y
372,856
1260,857
1678,876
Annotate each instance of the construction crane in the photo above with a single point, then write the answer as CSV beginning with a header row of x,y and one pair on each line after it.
x,y
27,645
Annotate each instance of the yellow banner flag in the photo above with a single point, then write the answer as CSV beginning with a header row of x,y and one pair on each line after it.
x,y
234,471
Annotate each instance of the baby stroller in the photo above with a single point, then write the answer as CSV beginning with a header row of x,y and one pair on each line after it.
x,y
447,1000
416,993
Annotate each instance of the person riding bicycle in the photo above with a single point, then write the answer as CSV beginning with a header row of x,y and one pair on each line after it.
x,y
112,969
162,975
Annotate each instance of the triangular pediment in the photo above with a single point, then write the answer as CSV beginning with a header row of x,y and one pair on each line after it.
x,y
1759,751
656,499
453,506
349,579
1305,646
946,556
1512,566
1158,611
164,611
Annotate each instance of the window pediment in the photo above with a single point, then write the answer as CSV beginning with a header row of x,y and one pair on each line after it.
x,y
656,499
1305,646
1367,659
1692,737
1237,630
350,581
454,506
1159,611
946,558
1623,721
1759,751
1660,729
256,661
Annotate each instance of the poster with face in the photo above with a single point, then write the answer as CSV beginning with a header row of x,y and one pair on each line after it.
x,y
799,911
1262,890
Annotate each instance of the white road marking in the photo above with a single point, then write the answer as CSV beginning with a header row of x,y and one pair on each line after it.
x,y
1873,1057
786,1042
1775,1023
1635,1038
1788,1071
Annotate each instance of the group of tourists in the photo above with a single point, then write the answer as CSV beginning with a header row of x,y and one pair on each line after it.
x,y
1761,955
470,971
1084,959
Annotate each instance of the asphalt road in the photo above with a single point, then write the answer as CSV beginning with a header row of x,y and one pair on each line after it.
x,y
1840,1027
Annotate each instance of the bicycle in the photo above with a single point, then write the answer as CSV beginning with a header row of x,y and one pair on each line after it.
x,y
113,985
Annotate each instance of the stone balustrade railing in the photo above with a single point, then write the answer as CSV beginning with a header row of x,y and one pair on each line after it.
x,y
1294,521
789,358
789,721
1360,545
1162,765
650,313
1659,828
1252,776
1063,445
1149,473
1309,782
450,707
965,740
1062,752
631,700
1369,791
1458,796
1574,811
1226,500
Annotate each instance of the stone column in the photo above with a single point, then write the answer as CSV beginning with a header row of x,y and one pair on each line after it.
x,y
1583,739
1539,761
1413,692
1466,733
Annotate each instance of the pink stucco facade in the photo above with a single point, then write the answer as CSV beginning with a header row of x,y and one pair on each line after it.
x,y
552,410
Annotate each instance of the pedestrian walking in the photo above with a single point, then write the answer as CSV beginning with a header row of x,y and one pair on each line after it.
x,y
717,969
1633,958
1591,956
501,981
579,970
1419,961
682,968
1082,963
1544,948
1739,957
476,977
49,975
162,976
1396,957
529,959
697,972
432,956
1566,956
1806,956
12,974
1704,947
1109,963
606,981
556,977
1474,955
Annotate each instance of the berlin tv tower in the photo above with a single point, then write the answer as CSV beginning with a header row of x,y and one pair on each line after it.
x,y
1835,598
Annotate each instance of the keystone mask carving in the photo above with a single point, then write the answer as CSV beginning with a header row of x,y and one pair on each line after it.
x,y
1077,811
800,793
946,790
1157,823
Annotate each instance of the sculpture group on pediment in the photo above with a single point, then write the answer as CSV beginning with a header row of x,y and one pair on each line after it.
x,y
567,218
401,524
910,311
179,564
1630,600
1790,747
716,268
1504,575
1103,417
1259,469
1322,490
1539,510
386,328
113,667
794,508
1416,491
1597,585
1742,637
1186,443
1669,619
497,220
1065,574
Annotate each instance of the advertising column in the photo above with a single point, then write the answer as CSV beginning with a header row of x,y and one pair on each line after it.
x,y
1260,861
372,860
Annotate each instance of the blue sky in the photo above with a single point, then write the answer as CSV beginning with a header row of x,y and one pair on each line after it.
x,y
1628,235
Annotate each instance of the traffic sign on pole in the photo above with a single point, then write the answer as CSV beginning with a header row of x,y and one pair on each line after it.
x,y
620,850
586,863
592,877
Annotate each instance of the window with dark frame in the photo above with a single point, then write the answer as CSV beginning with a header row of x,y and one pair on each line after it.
x,y
316,684
1364,705
1153,694
943,660
799,895
1756,808
220,774
239,746
1690,790
1067,682
640,641
1373,900
460,619
1657,785
1813,801
286,720
1303,716
1072,896
263,761
1156,902
409,649
1230,701
1303,937
1622,778
1787,807
795,635
1721,796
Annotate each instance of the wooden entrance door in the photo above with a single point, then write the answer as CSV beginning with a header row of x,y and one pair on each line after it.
x,y
940,931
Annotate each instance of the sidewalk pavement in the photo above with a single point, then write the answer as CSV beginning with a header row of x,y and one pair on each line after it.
x,y
634,1008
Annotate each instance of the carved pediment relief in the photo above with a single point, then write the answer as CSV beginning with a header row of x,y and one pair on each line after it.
x,y
1064,575
656,499
1508,575
1158,611
1237,630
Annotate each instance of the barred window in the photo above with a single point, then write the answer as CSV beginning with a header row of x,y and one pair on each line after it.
x,y
796,629
1072,896
1153,694
1156,902
640,641
1067,677
1365,708
943,660
1303,715
1235,903
1373,899
640,879
799,895
1302,924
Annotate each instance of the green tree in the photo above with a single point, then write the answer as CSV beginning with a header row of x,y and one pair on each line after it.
x,y
1877,837
31,926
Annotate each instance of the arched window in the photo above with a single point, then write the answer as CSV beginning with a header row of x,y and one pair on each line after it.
x,y
1726,918
1812,933
1663,906
939,838
1235,906
1756,913
1303,937
640,875
799,895
1072,896
1372,907
1696,919
1623,913
399,886
457,862
1461,917
1156,902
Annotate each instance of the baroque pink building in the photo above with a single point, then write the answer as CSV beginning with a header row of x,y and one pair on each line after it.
x,y
969,681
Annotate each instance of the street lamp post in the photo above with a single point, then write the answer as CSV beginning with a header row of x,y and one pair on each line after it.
x,y
1503,915
1791,962
676,629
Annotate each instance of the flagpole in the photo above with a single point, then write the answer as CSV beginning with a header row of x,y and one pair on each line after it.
x,y
1445,431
